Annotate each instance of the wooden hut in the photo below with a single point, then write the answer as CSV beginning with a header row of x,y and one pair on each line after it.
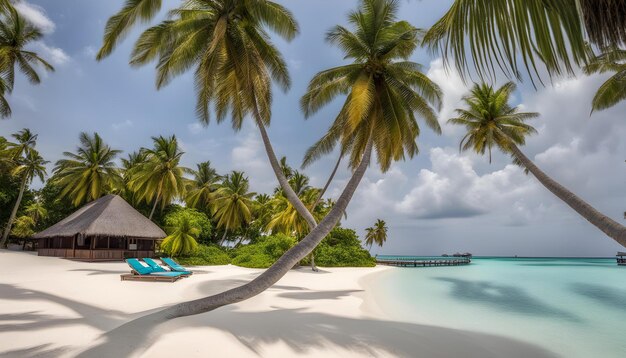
x,y
104,229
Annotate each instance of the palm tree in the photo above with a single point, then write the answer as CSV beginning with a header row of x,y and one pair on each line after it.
x,y
30,166
376,234
36,211
614,89
402,90
199,190
552,32
89,173
15,35
228,44
491,122
25,142
160,178
182,237
232,203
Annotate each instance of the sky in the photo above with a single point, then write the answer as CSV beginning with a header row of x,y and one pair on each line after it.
x,y
441,201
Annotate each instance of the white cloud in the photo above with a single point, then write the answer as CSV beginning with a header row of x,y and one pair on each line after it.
x,y
90,52
249,156
195,128
122,125
54,55
453,90
36,15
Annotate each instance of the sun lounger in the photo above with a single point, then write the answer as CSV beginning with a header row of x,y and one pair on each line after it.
x,y
174,266
140,272
158,268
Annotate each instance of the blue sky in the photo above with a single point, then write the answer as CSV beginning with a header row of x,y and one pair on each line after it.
x,y
441,201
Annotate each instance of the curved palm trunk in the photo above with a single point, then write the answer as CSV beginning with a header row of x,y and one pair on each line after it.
x,y
609,226
282,180
285,262
330,179
156,201
7,229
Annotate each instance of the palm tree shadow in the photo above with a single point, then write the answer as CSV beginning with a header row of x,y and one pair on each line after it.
x,y
503,297
303,331
39,351
607,296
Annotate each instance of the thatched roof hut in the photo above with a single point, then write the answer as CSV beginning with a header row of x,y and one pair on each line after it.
x,y
107,228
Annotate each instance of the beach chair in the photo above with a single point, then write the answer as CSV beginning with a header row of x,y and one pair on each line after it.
x,y
140,272
174,266
158,268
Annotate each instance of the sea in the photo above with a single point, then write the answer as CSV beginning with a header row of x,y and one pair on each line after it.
x,y
573,307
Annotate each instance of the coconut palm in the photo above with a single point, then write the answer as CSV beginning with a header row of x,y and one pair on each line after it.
x,y
199,190
30,166
90,173
376,234
36,211
491,122
25,141
228,44
160,178
402,92
23,227
614,89
15,35
515,35
232,203
182,237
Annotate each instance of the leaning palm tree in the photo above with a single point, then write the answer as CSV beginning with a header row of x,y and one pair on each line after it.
x,y
32,165
614,89
232,203
90,173
227,43
376,234
383,92
491,122
199,190
159,180
515,35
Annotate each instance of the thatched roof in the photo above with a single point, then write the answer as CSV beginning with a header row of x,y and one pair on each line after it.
x,y
107,216
621,253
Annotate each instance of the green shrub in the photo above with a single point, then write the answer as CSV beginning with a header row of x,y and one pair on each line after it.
x,y
342,248
206,255
264,252
197,218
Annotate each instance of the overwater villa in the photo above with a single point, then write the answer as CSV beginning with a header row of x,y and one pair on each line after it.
x,y
621,258
104,229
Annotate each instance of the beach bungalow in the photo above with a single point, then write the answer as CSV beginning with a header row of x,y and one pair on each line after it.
x,y
104,229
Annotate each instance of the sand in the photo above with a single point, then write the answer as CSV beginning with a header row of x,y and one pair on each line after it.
x,y
51,307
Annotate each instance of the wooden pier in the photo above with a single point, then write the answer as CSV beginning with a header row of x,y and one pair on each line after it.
x,y
621,258
426,263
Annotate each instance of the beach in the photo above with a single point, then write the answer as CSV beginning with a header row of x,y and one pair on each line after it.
x,y
52,307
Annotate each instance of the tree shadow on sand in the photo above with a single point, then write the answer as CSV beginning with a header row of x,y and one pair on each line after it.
x,y
303,331
503,297
318,295
39,351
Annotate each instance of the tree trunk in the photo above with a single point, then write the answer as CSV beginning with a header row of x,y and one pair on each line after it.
x,y
156,200
7,229
282,180
285,262
313,267
609,226
330,179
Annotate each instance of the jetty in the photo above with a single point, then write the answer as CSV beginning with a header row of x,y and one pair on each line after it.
x,y
621,258
425,262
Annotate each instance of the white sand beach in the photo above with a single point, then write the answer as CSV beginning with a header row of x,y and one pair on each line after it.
x,y
52,307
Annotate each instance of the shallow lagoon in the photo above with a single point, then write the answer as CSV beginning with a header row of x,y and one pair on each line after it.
x,y
572,307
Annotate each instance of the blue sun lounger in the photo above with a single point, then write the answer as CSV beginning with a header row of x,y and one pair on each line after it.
x,y
158,268
140,272
174,266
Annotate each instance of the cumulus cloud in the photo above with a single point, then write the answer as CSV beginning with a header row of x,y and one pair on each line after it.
x,y
36,15
54,55
122,125
195,128
453,89
249,156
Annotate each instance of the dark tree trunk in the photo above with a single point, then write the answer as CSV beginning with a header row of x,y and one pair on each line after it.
x,y
7,230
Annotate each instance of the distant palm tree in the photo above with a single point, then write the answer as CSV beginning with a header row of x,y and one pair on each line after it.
x,y
182,237
491,122
199,190
612,90
25,142
36,211
89,173
232,203
160,178
23,227
376,234
227,43
15,35
30,166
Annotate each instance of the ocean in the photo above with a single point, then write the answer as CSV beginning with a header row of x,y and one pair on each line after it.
x,y
573,307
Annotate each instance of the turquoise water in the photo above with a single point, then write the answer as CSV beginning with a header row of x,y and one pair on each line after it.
x,y
572,307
